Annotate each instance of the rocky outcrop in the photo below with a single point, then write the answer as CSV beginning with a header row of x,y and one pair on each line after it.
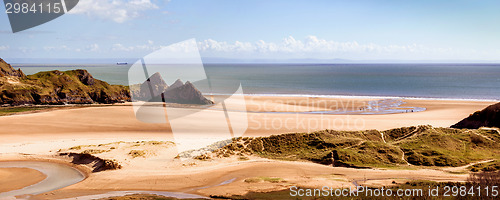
x,y
186,94
95,163
56,87
488,117
7,70
85,77
154,86
176,84
155,89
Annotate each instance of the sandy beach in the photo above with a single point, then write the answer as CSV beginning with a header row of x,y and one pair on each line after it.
x,y
266,116
43,134
11,178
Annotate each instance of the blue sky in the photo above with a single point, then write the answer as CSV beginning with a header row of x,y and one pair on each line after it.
x,y
263,29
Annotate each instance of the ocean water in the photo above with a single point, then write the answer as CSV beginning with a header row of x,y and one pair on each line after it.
x,y
447,81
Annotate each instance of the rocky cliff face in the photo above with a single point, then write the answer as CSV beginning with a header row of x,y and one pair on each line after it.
x,y
7,70
153,87
56,87
488,117
178,92
186,94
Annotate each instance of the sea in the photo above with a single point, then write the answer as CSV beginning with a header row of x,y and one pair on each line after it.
x,y
430,81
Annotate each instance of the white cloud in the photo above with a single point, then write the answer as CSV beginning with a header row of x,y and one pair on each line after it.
x,y
56,48
26,49
145,47
116,10
314,47
226,47
93,47
4,48
121,47
310,44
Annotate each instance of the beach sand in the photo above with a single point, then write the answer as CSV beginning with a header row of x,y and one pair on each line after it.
x,y
119,120
46,133
17,178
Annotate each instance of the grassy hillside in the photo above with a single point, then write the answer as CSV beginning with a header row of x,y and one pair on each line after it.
x,y
420,146
56,87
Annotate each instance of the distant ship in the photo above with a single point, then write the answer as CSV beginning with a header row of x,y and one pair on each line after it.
x,y
122,63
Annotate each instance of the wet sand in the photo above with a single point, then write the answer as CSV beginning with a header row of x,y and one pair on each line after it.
x,y
10,178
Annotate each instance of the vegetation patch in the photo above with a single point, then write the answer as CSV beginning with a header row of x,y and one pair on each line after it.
x,y
264,179
4,111
419,146
486,167
203,157
137,153
140,197
483,179
94,151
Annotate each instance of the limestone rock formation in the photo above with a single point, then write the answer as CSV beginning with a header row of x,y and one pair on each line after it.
x,y
155,89
186,94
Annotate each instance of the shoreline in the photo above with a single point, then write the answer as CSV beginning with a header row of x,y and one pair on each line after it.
x,y
57,173
333,96
12,175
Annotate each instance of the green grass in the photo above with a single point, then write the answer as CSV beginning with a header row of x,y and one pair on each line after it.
x,y
57,88
486,167
422,146
14,110
448,147
137,153
94,151
264,179
140,197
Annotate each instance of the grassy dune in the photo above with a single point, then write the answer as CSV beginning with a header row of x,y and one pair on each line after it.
x,y
419,146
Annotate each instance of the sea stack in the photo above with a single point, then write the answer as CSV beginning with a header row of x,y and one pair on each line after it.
x,y
155,89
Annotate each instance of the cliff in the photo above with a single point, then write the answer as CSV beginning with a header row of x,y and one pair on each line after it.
x,y
488,117
56,87
187,94
7,70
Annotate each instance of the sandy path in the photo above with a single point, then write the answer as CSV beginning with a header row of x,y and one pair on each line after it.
x,y
10,178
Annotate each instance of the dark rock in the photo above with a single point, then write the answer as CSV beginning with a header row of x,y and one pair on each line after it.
x,y
154,86
8,70
488,117
177,83
85,77
96,163
156,90
186,94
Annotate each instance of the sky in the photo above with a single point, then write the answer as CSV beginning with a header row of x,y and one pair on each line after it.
x,y
425,30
